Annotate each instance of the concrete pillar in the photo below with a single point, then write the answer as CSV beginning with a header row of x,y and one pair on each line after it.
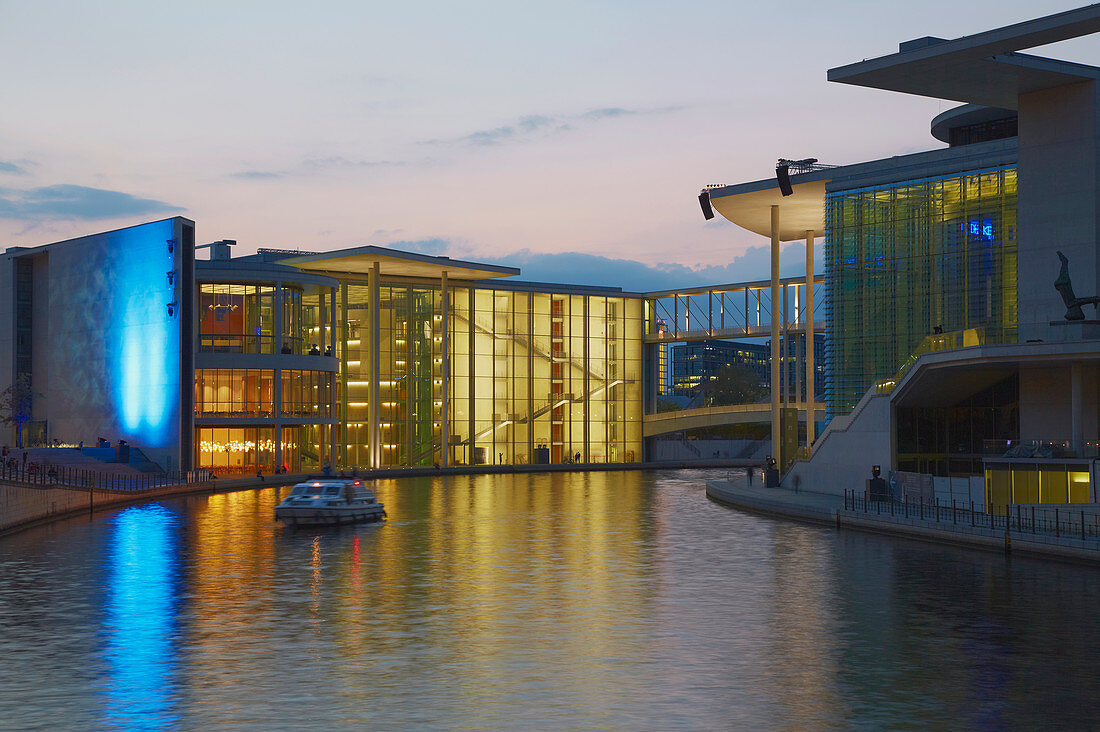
x,y
374,390
776,310
445,371
811,397
277,375
1076,405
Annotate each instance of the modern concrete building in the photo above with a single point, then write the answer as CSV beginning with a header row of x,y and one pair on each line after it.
x,y
950,350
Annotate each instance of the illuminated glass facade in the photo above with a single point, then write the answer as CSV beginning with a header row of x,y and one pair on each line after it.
x,y
904,259
518,378
243,450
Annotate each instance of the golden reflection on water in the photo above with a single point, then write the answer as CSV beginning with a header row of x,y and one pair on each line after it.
x,y
607,600
470,570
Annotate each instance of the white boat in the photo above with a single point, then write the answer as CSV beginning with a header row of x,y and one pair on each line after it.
x,y
328,502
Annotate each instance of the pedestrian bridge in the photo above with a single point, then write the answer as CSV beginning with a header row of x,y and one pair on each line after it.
x,y
690,419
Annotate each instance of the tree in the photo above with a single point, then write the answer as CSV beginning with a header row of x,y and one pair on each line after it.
x,y
15,404
735,384
667,405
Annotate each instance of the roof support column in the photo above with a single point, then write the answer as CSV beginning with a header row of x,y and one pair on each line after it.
x,y
445,371
776,310
374,432
809,329
1077,419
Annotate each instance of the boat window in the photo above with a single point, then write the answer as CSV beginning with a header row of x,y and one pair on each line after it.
x,y
332,490
299,490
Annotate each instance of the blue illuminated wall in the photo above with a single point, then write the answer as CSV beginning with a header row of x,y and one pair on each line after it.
x,y
114,350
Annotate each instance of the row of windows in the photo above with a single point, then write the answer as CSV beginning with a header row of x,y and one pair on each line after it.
x,y
251,393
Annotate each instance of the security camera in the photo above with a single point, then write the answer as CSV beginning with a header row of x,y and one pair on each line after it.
x,y
171,246
171,309
171,279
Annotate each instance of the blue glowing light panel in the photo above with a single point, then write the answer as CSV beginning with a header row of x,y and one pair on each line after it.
x,y
114,350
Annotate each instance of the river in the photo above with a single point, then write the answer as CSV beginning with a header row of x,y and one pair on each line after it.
x,y
618,600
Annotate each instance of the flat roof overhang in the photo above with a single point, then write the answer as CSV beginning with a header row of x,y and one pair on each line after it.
x,y
983,68
749,206
945,378
393,262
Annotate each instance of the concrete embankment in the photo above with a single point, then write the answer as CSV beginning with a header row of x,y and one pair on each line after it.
x,y
946,528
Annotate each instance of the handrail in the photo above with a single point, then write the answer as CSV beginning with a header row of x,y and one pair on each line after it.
x,y
968,338
64,476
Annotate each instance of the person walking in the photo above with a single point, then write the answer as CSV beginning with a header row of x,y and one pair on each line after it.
x,y
749,471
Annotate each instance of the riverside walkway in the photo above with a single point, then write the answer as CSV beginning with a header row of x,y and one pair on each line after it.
x,y
1069,531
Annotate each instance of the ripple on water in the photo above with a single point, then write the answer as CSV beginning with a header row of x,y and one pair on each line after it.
x,y
609,600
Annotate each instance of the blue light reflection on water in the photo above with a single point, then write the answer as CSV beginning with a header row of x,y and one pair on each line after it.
x,y
141,617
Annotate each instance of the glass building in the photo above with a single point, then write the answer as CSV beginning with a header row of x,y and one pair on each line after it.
x,y
373,358
910,259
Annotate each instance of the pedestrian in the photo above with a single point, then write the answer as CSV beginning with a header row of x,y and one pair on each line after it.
x,y
749,471
24,459
577,458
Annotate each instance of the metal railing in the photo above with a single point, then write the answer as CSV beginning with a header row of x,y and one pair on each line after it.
x,y
1056,521
936,342
61,476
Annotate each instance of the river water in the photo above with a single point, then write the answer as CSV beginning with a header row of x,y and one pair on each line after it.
x,y
568,601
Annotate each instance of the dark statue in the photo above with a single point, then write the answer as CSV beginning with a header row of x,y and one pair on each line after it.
x,y
1065,289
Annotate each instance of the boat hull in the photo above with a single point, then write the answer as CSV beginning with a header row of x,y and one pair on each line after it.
x,y
320,516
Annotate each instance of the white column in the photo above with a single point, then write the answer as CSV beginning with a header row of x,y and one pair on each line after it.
x,y
776,314
445,372
374,429
810,371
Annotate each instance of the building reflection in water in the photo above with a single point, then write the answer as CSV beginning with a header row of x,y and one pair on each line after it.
x,y
802,666
609,600
141,619
474,573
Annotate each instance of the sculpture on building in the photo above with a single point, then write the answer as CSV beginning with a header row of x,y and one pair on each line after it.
x,y
1065,289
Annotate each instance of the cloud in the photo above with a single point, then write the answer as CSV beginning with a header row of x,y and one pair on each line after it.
x,y
315,165
12,168
257,175
579,268
537,125
436,247
590,269
342,162
65,201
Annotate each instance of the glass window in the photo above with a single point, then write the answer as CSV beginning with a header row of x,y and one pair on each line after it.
x,y
306,394
236,450
234,392
236,318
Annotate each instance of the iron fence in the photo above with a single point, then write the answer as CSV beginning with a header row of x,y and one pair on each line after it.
x,y
1057,521
61,476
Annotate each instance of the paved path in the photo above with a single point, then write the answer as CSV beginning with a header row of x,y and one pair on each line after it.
x,y
829,509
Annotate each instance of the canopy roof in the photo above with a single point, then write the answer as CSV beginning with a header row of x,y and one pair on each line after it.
x,y
749,205
983,68
393,262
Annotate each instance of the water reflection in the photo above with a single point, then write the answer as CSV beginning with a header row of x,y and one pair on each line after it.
x,y
623,601
140,619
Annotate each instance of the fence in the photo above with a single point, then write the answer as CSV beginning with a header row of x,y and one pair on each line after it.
x,y
60,476
1059,521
